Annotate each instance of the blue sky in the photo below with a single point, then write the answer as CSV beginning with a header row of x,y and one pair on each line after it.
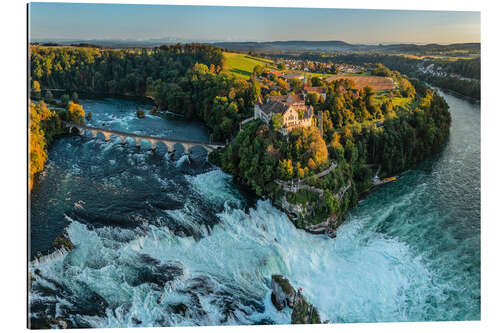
x,y
111,21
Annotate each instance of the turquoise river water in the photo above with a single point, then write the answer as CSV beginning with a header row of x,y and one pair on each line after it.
x,y
164,241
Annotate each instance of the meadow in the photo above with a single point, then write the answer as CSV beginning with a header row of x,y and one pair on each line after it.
x,y
242,65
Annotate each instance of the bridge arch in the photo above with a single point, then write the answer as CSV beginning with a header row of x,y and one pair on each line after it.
x,y
162,147
76,130
110,136
99,135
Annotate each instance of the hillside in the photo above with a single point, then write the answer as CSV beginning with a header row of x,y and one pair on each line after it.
x,y
242,65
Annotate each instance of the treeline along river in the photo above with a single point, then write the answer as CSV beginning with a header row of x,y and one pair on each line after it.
x,y
163,240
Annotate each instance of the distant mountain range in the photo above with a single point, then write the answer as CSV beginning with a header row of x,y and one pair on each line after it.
x,y
275,46
341,46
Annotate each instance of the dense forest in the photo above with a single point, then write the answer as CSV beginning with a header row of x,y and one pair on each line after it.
x,y
186,79
259,155
45,126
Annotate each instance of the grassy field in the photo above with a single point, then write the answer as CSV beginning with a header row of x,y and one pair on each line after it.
x,y
396,101
242,65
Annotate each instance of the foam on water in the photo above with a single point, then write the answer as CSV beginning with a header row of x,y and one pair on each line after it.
x,y
407,252
181,161
350,279
215,186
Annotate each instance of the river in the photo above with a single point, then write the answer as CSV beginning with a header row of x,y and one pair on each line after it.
x,y
164,241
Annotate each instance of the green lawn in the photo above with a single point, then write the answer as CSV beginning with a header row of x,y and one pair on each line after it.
x,y
242,65
401,101
396,101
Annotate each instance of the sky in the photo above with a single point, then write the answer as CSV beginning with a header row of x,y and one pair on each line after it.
x,y
202,23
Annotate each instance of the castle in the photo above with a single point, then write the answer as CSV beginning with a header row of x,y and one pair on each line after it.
x,y
292,108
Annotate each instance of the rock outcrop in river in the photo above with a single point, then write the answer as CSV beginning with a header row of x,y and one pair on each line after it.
x,y
284,294
63,241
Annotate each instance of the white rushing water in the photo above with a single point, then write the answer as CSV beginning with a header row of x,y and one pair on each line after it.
x,y
172,242
349,279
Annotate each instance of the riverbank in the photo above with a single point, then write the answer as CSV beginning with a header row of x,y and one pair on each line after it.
x,y
409,251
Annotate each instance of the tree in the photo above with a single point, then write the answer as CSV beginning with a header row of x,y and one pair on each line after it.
x,y
74,97
285,169
381,70
350,151
277,121
296,85
36,89
316,81
281,66
312,99
331,202
48,95
75,113
65,100
258,70
283,85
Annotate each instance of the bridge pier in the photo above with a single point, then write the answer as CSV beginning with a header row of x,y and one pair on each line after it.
x,y
153,144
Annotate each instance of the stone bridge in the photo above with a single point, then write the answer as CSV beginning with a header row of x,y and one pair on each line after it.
x,y
153,141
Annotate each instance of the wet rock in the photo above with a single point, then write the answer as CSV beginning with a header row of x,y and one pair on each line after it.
x,y
304,312
180,308
326,227
277,304
59,323
63,241
283,293
136,321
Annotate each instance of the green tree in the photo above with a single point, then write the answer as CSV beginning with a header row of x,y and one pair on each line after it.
x,y
48,95
65,100
296,85
277,121
285,169
258,70
316,81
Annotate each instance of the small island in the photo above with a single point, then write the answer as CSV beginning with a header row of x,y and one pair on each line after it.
x,y
316,151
